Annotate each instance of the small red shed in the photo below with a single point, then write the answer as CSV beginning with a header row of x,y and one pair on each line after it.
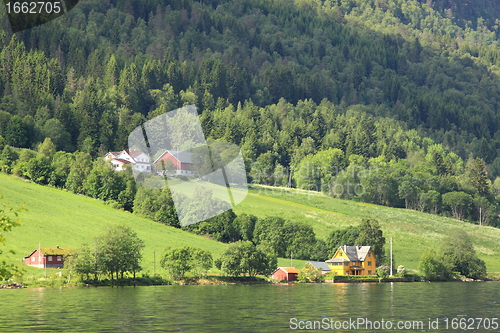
x,y
48,257
285,274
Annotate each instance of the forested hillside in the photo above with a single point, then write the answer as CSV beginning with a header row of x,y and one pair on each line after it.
x,y
400,97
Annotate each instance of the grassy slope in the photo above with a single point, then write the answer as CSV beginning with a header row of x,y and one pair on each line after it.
x,y
56,217
412,231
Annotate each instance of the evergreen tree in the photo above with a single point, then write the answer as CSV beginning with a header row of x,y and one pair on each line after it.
x,y
15,133
47,148
7,158
478,177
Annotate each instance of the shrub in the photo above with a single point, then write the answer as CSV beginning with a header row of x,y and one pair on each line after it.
x,y
383,272
311,274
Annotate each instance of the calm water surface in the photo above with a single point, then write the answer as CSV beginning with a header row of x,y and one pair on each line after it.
x,y
246,308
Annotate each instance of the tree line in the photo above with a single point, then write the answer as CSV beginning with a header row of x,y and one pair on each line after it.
x,y
349,156
88,86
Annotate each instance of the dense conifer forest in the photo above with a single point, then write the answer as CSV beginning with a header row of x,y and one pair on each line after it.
x,y
399,97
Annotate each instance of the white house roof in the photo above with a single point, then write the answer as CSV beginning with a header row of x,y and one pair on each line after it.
x,y
128,156
133,153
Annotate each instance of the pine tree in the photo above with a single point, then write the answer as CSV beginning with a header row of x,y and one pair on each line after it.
x,y
478,177
111,76
15,133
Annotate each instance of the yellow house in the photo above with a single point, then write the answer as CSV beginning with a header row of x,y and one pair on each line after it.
x,y
353,260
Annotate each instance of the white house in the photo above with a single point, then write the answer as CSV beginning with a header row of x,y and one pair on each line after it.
x,y
138,160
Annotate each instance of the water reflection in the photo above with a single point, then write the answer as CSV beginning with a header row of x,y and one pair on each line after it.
x,y
239,308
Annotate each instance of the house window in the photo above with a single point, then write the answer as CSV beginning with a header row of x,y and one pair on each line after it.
x,y
369,272
346,263
50,258
33,258
59,258
369,263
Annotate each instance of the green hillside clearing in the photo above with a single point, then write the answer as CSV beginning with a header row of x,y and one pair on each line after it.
x,y
57,217
412,231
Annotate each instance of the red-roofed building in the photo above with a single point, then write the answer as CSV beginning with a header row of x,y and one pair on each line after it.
x,y
285,274
182,162
48,257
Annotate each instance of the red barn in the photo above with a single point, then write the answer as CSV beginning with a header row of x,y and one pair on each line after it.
x,y
48,257
285,274
182,162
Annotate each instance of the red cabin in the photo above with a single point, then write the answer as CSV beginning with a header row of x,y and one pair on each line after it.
x,y
48,257
181,161
285,274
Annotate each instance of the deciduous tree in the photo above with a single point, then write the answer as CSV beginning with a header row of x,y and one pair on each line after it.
x,y
458,250
243,257
181,260
8,220
459,203
370,234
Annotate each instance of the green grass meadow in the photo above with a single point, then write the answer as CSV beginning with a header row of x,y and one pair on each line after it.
x,y
412,232
57,217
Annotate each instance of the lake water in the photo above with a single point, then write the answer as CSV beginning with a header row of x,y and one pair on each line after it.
x,y
254,308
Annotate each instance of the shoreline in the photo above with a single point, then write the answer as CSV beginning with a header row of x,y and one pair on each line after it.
x,y
227,281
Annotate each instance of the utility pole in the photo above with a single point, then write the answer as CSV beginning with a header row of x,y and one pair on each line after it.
x,y
391,256
291,255
154,261
289,185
